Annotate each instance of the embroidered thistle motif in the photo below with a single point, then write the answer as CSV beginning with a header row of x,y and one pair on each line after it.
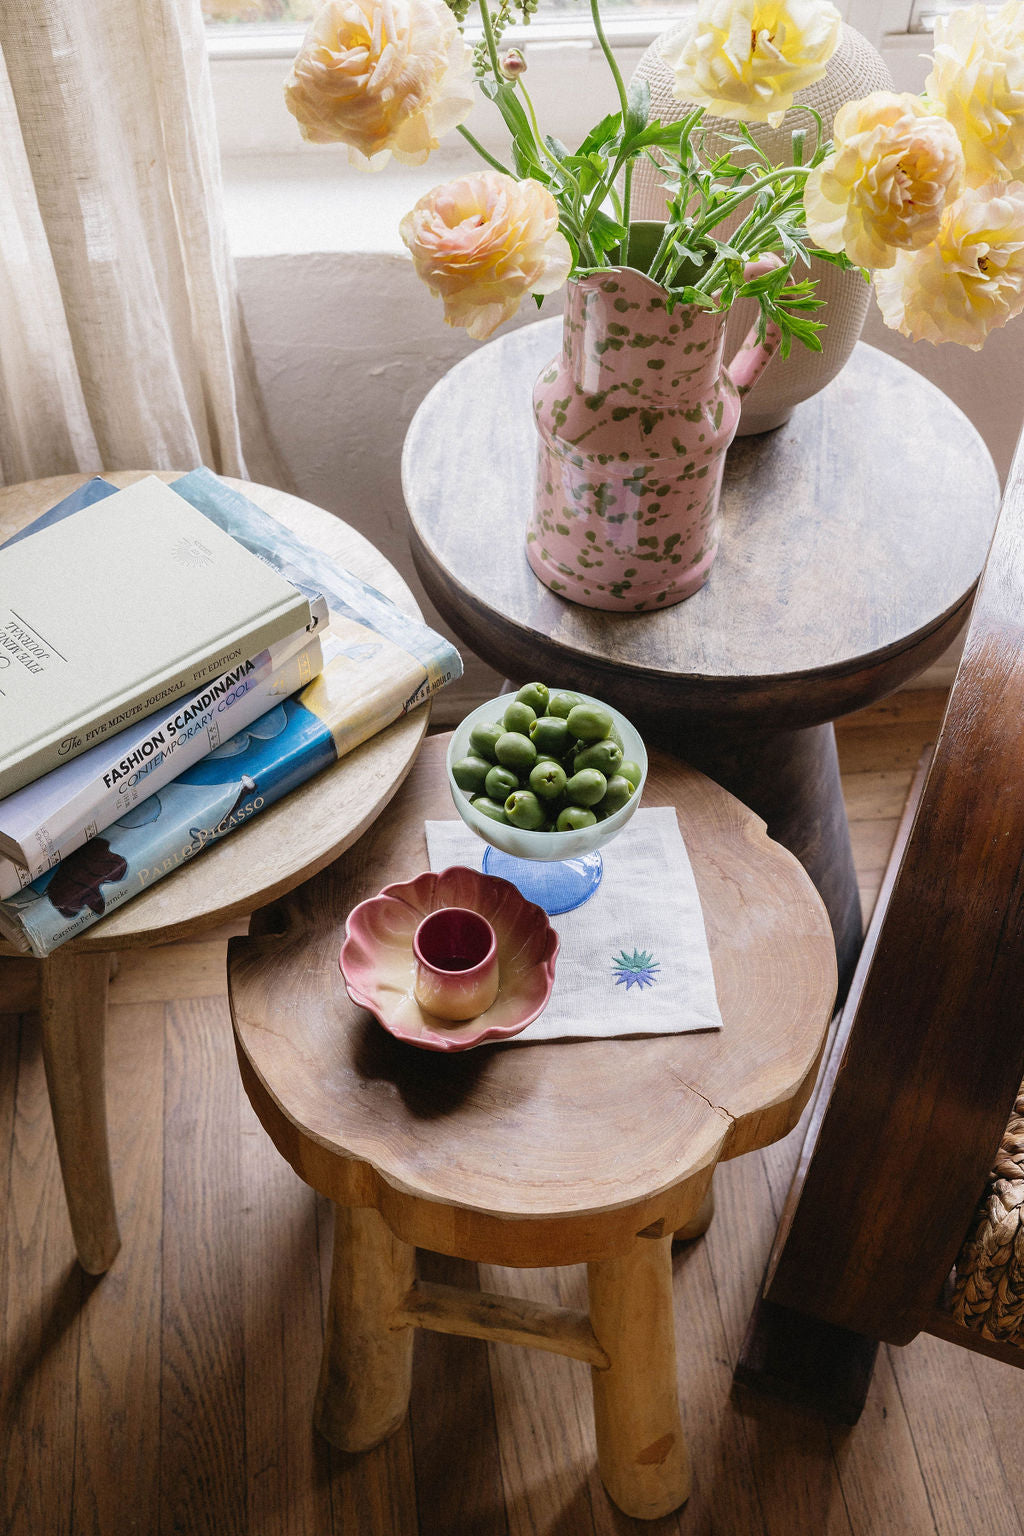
x,y
637,970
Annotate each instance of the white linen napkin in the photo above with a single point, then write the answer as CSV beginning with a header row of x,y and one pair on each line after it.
x,y
633,960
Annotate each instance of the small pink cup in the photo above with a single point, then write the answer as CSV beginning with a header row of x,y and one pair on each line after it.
x,y
456,964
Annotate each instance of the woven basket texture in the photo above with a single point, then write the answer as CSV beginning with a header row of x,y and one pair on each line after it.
x,y
988,1294
855,69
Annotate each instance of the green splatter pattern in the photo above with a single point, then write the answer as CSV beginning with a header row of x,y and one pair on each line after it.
x,y
634,419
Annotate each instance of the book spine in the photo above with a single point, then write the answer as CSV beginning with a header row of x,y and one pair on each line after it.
x,y
276,753
139,762
86,732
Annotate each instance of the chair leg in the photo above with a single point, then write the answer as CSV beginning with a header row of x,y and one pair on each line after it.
x,y
366,1371
641,1451
74,1017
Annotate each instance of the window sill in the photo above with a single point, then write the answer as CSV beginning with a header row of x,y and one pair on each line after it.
x,y
291,205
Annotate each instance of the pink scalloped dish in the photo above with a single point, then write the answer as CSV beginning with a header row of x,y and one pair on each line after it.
x,y
379,963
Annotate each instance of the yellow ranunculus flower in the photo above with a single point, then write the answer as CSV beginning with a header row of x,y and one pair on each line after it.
x,y
970,280
746,59
385,77
483,243
887,181
977,80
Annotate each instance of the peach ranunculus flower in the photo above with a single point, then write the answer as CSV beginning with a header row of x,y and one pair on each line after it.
x,y
977,80
385,77
746,59
883,188
483,243
970,280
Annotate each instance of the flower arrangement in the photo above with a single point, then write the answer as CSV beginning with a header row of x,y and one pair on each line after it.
x,y
926,193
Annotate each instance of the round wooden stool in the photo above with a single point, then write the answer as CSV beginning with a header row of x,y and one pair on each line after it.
x,y
281,847
590,1152
853,538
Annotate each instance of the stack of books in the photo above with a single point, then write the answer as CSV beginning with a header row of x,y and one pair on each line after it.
x,y
172,662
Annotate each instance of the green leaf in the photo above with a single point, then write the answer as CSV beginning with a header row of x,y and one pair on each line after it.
x,y
638,105
526,163
604,133
606,233
507,101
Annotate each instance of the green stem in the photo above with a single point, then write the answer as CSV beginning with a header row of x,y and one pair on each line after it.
x,y
483,153
606,50
723,210
542,148
667,241
492,47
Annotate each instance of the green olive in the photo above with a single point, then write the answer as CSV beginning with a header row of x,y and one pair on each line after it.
x,y
470,772
631,770
483,737
550,734
536,695
514,750
547,778
589,722
561,703
489,807
604,755
500,783
573,818
615,796
587,787
518,717
524,810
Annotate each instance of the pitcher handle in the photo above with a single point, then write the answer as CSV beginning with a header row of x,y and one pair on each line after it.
x,y
754,356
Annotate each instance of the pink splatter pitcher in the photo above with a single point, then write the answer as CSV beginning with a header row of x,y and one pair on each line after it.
x,y
634,420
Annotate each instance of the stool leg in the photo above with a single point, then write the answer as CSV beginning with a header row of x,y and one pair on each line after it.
x,y
366,1371
698,1225
641,1452
73,1014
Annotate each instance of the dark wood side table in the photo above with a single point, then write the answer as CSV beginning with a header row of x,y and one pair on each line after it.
x,y
854,537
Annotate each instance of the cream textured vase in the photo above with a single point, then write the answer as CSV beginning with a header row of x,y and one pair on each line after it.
x,y
855,69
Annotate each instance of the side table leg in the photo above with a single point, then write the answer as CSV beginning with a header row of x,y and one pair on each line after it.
x,y
641,1451
74,1017
366,1371
791,778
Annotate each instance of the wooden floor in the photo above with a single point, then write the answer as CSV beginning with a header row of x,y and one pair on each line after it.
x,y
175,1394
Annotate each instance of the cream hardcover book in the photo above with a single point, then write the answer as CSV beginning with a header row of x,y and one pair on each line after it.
x,y
123,607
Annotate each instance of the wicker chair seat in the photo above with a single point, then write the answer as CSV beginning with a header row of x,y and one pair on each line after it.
x,y
988,1294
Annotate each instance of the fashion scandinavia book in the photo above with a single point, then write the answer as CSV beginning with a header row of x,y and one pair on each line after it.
x,y
121,607
46,820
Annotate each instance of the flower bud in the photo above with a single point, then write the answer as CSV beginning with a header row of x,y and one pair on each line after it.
x,y
513,64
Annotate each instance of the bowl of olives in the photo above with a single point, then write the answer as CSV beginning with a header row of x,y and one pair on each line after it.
x,y
547,775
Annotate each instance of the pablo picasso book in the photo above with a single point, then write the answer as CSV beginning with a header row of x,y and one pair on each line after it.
x,y
48,819
121,607
238,780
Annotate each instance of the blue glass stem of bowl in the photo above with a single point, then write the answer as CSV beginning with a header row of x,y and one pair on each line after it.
x,y
557,886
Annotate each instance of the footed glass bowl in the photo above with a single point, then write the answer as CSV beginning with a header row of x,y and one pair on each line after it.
x,y
557,870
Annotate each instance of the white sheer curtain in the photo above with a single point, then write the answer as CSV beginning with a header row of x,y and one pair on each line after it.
x,y
121,339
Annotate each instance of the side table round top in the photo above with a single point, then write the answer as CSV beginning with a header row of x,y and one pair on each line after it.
x,y
853,537
586,1141
308,828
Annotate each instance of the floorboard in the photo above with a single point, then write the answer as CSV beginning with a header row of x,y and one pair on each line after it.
x,y
175,1395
